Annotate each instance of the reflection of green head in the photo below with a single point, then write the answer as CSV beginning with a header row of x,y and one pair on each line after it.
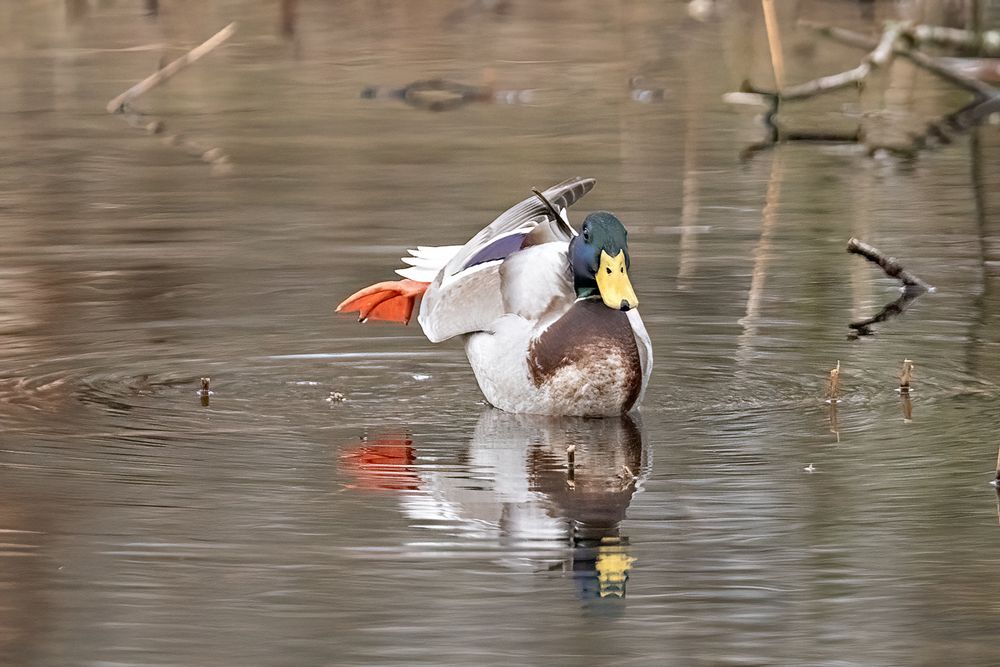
x,y
601,570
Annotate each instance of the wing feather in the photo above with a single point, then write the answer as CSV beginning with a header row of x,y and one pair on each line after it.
x,y
537,282
527,214
485,279
426,262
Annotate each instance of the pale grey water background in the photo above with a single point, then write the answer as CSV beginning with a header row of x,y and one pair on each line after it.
x,y
409,524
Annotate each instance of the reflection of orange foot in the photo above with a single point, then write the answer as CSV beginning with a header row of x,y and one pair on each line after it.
x,y
383,463
391,301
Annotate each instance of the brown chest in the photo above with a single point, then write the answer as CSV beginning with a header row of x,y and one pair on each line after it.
x,y
593,343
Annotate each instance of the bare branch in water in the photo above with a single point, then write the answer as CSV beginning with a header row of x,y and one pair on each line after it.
x,y
890,265
122,105
904,48
913,286
898,39
878,57
117,105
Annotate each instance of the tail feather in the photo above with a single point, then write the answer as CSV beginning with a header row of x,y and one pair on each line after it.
x,y
425,262
390,301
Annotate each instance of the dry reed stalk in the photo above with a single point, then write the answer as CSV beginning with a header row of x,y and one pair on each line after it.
x,y
774,43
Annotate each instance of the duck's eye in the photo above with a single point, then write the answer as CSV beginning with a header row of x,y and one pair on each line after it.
x,y
586,236
608,269
621,270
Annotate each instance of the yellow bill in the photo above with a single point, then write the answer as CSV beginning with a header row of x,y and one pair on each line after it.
x,y
613,282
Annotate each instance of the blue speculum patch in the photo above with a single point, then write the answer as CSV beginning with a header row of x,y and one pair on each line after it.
x,y
499,249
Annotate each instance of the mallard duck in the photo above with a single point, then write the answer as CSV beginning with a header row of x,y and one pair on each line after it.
x,y
548,316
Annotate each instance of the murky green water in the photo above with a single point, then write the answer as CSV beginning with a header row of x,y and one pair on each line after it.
x,y
408,523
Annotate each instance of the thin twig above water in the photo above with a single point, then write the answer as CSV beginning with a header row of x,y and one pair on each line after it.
x,y
122,105
913,287
166,72
890,265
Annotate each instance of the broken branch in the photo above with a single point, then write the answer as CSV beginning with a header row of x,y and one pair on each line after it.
x,y
901,48
878,57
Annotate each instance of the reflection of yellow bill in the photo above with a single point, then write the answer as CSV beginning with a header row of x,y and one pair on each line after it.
x,y
613,282
612,569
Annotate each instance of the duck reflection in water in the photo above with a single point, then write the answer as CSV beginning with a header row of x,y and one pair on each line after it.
x,y
552,490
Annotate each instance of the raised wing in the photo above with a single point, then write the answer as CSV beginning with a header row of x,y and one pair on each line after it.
x,y
509,231
471,291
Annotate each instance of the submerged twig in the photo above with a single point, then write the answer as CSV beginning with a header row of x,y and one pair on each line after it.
x,y
890,265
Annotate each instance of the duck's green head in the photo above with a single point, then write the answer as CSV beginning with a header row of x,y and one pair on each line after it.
x,y
599,256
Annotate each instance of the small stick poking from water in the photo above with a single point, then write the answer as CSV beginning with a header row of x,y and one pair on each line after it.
x,y
905,377
205,391
833,385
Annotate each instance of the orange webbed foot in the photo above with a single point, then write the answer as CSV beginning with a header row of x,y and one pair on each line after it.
x,y
389,301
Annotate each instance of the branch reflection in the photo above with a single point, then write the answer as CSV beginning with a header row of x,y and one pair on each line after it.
x,y
890,310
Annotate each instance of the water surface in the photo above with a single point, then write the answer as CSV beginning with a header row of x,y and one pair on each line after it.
x,y
345,497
